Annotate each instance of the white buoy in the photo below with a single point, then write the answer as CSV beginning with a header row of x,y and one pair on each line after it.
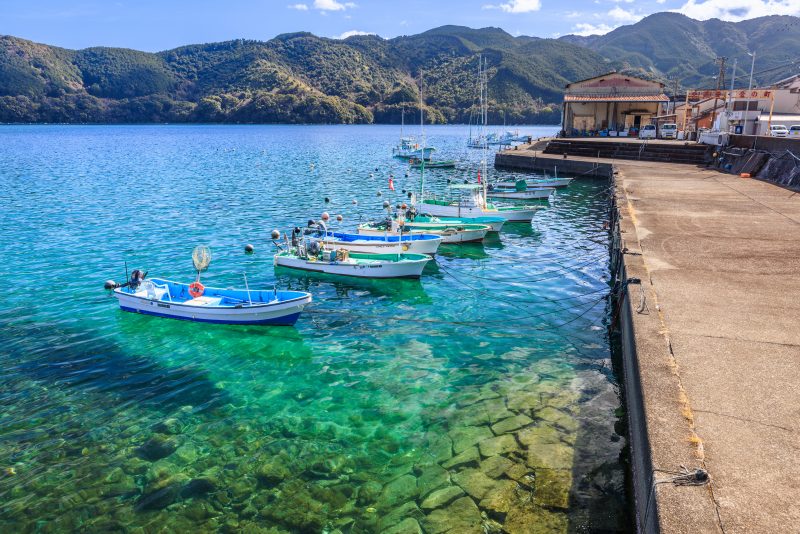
x,y
355,202
325,216
248,248
275,234
110,284
339,218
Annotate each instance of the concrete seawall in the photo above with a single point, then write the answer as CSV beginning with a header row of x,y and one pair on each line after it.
x,y
710,266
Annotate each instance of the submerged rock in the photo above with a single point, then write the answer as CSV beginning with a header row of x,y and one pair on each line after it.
x,y
442,497
465,437
272,473
539,435
431,477
534,520
399,490
468,457
158,498
408,525
157,447
498,445
558,418
399,514
461,516
511,424
369,492
552,456
496,466
168,426
501,498
474,482
553,487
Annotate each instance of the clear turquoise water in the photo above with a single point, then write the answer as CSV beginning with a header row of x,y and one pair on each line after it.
x,y
348,421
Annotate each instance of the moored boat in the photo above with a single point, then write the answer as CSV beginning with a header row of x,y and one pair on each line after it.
x,y
345,263
418,243
474,205
416,163
518,191
195,302
495,224
175,300
449,233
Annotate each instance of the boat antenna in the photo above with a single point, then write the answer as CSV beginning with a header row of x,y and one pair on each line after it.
x,y
402,120
126,272
247,287
201,258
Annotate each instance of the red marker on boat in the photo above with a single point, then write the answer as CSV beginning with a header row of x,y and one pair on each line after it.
x,y
391,184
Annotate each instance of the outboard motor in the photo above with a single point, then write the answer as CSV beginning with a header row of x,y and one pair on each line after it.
x,y
137,277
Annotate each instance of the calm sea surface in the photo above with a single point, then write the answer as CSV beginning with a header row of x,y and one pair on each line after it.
x,y
477,397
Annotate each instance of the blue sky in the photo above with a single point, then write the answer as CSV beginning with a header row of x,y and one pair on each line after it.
x,y
160,25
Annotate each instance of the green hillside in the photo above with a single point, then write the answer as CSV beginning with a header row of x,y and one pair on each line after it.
x,y
300,78
295,77
671,46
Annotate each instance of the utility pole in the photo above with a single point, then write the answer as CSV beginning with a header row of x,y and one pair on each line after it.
x,y
749,89
720,83
675,98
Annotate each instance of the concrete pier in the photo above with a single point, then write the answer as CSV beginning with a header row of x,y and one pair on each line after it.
x,y
711,346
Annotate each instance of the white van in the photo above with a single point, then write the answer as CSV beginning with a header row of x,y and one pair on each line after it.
x,y
669,131
778,130
648,131
794,131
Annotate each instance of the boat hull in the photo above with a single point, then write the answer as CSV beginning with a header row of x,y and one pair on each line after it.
x,y
282,313
495,224
470,212
426,246
448,234
409,269
528,194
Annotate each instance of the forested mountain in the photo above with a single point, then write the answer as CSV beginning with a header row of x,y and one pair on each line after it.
x,y
300,77
671,46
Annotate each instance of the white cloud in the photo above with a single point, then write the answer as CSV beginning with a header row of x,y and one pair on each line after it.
x,y
622,15
585,29
517,6
351,33
299,7
736,10
332,5
626,1
574,15
660,1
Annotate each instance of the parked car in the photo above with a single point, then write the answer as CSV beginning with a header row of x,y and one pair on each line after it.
x,y
794,130
648,131
778,130
669,131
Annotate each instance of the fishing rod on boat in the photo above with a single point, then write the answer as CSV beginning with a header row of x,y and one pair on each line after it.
x,y
136,278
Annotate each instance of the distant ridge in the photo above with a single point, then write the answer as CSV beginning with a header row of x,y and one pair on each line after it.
x,y
301,78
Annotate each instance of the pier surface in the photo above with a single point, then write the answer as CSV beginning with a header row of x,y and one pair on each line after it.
x,y
712,346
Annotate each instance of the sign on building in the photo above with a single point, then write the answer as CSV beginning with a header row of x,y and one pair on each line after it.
x,y
755,94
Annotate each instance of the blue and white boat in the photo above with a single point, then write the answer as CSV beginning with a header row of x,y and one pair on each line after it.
x,y
419,243
193,302
409,148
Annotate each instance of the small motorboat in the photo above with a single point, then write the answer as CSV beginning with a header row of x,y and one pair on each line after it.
x,y
307,253
474,204
380,243
416,163
316,258
409,148
448,233
519,190
195,302
495,224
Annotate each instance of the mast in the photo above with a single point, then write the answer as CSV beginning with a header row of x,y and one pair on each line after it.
x,y
422,146
402,120
485,112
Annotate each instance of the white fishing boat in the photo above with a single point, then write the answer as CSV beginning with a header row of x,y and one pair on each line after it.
x,y
408,147
378,243
342,262
519,190
194,302
495,224
449,233
473,204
